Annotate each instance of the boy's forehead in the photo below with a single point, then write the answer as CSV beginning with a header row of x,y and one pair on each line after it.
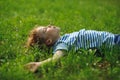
x,y
40,29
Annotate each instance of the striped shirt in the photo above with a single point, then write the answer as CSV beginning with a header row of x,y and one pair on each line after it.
x,y
84,39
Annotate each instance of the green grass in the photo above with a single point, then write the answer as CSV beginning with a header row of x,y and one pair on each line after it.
x,y
18,17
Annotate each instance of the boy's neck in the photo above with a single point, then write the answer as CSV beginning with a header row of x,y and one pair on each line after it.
x,y
55,41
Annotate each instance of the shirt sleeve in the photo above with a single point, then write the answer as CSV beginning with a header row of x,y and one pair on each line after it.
x,y
60,46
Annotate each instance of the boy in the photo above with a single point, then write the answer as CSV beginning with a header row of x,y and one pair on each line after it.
x,y
50,36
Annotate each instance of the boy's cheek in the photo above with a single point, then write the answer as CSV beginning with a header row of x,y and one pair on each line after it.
x,y
50,32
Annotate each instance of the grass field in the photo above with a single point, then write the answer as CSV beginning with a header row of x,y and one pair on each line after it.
x,y
18,17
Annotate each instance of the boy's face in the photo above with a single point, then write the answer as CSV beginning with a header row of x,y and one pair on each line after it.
x,y
49,32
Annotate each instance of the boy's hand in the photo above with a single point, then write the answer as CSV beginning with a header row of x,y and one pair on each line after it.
x,y
32,66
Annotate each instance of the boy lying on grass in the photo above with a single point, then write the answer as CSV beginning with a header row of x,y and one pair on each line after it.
x,y
85,39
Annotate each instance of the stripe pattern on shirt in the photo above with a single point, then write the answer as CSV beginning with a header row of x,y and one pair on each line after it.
x,y
86,39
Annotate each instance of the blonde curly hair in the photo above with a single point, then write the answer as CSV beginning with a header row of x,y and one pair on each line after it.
x,y
35,38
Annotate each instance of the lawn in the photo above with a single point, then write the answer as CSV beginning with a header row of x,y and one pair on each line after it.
x,y
18,17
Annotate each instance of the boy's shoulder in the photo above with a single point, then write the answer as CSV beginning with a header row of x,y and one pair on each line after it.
x,y
66,40
68,37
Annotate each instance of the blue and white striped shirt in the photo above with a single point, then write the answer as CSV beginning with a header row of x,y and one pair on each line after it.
x,y
84,39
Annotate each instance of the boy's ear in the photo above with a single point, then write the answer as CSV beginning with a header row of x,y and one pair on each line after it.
x,y
48,41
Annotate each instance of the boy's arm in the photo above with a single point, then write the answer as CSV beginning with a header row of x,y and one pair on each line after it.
x,y
55,57
33,66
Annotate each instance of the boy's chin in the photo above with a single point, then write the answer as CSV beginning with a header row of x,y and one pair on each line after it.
x,y
58,29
